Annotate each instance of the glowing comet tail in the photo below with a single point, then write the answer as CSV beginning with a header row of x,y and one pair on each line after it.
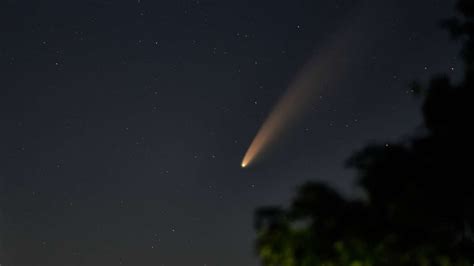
x,y
322,71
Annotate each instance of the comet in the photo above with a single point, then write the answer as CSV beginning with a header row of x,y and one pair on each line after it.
x,y
329,63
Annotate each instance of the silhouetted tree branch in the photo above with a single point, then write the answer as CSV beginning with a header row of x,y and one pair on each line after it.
x,y
420,205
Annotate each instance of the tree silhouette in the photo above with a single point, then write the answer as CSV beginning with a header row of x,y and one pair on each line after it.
x,y
420,192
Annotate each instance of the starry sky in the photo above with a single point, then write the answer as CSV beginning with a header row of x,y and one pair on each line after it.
x,y
124,123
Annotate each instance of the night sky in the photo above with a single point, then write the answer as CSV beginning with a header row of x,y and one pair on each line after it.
x,y
124,123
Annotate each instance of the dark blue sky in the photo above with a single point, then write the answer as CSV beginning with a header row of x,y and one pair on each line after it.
x,y
123,123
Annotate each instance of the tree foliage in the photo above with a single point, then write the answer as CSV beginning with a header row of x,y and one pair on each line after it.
x,y
420,205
